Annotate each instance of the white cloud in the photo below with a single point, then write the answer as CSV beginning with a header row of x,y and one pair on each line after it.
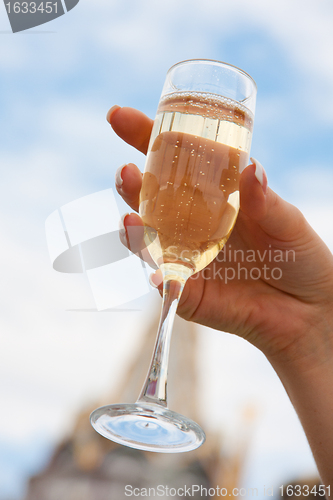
x,y
138,30
310,187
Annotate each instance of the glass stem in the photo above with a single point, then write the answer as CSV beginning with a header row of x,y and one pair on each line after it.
x,y
155,387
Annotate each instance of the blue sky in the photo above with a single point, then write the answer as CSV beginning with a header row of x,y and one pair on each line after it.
x,y
56,84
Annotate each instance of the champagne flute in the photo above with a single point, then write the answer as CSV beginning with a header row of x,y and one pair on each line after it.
x,y
189,203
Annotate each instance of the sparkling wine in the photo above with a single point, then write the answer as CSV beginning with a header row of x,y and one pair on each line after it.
x,y
189,199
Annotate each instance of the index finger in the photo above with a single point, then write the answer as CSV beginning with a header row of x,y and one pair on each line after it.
x,y
131,125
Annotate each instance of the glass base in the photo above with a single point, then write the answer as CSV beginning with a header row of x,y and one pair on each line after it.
x,y
147,426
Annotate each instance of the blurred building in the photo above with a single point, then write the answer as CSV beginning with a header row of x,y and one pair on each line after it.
x,y
87,466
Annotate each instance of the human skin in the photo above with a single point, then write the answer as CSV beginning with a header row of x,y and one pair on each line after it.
x,y
289,319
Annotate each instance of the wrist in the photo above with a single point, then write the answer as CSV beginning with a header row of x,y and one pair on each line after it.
x,y
307,346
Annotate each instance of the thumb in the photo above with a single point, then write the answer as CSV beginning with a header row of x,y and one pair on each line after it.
x,y
276,217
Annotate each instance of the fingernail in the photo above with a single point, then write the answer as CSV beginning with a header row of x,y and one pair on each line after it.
x,y
155,279
118,178
122,229
111,110
260,174
151,280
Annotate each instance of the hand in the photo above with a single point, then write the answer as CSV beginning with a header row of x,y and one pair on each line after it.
x,y
277,300
289,318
